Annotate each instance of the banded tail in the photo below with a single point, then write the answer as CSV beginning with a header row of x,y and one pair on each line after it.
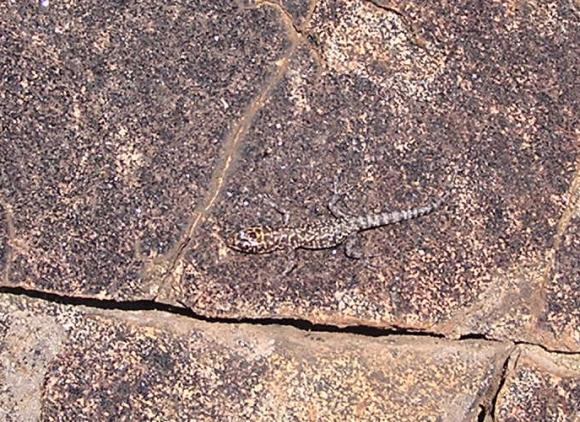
x,y
383,219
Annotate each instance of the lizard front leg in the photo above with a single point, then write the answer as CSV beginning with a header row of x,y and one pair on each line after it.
x,y
274,205
337,196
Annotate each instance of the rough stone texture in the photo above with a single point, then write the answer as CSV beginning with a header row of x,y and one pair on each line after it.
x,y
540,386
300,12
5,225
562,313
134,136
105,192
539,305
94,364
112,116
395,110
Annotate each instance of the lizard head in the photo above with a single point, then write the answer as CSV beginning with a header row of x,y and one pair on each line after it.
x,y
256,240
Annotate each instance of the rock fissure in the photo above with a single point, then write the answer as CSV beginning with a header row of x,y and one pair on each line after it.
x,y
149,305
231,148
300,324
507,365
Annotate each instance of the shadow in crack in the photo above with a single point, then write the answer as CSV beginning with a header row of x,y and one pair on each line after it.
x,y
150,305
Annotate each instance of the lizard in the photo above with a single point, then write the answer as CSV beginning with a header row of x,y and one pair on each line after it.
x,y
322,234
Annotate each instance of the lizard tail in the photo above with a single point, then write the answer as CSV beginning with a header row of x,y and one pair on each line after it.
x,y
383,219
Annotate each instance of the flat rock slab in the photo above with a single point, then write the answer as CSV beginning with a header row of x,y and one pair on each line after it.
x,y
112,117
394,112
540,386
134,138
94,364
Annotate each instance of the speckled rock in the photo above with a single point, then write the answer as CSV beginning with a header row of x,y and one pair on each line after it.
x,y
134,137
112,118
395,105
540,386
540,305
561,316
84,363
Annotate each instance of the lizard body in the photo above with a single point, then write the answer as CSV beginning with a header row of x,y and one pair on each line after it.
x,y
322,234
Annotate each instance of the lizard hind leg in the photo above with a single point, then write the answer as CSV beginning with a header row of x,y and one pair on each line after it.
x,y
352,247
290,263
353,250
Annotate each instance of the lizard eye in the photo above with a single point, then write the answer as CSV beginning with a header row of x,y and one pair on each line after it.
x,y
250,239
247,235
245,240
